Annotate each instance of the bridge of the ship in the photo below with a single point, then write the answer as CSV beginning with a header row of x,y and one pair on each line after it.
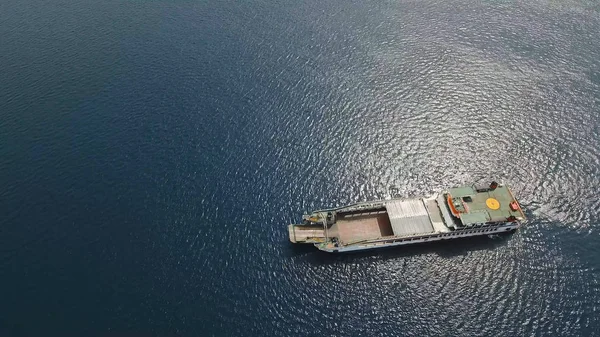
x,y
400,218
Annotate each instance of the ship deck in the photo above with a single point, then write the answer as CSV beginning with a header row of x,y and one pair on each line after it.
x,y
401,218
359,228
475,209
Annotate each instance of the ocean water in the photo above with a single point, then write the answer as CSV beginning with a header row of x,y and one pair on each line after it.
x,y
153,152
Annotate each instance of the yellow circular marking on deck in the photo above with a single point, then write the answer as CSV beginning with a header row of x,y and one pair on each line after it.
x,y
492,203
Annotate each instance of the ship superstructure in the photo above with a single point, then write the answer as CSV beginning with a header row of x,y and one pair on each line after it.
x,y
462,211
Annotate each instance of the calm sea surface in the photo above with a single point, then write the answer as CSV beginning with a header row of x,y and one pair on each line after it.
x,y
153,152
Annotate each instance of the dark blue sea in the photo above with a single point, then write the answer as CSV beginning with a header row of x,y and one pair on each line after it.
x,y
152,154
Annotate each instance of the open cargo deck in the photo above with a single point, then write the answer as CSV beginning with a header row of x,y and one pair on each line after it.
x,y
400,218
360,228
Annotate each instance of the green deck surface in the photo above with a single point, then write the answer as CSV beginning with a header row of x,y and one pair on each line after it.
x,y
477,210
462,191
475,217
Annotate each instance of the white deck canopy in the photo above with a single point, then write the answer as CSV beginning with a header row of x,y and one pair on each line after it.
x,y
408,217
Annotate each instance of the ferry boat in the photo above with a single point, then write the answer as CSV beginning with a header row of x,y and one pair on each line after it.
x,y
463,211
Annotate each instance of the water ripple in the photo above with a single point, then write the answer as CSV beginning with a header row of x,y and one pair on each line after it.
x,y
159,166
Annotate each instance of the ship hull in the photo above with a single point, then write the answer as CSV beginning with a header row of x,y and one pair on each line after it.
x,y
460,212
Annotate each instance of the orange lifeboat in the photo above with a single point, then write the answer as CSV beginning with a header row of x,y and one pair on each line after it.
x,y
453,209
